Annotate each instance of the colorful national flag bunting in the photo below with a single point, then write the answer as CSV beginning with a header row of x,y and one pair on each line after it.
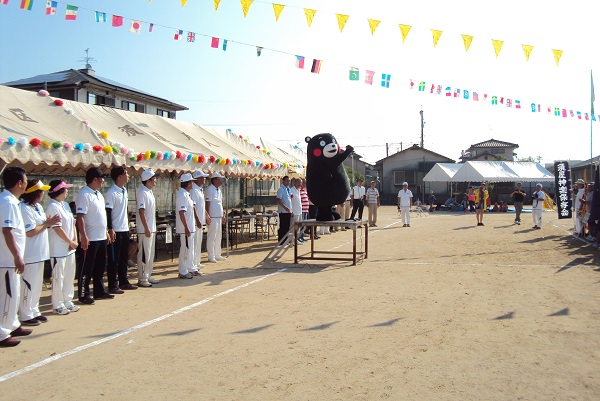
x,y
51,7
135,27
4,2
369,77
224,45
100,16
300,62
214,43
26,4
178,34
151,27
258,50
354,74
117,20
191,37
385,80
71,13
316,66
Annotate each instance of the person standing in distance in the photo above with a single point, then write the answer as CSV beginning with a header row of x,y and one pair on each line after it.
x,y
215,218
518,196
145,221
405,203
537,206
357,195
284,208
372,203
93,232
12,252
481,197
197,195
185,225
117,199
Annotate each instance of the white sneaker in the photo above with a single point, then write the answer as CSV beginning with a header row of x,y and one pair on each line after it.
x,y
199,266
212,261
143,284
72,308
220,258
187,275
152,280
61,311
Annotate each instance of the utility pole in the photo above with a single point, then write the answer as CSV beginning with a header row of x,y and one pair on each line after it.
x,y
422,125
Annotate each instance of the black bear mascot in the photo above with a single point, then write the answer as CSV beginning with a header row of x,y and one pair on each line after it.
x,y
327,183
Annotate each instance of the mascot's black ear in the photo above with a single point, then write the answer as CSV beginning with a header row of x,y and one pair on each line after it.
x,y
307,139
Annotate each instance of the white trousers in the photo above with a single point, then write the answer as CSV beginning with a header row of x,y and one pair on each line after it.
x,y
63,275
198,247
405,214
31,290
213,238
146,250
537,217
10,282
186,253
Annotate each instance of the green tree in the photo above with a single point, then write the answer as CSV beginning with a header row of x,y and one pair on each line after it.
x,y
526,159
356,175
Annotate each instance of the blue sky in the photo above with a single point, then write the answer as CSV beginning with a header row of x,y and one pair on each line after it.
x,y
267,96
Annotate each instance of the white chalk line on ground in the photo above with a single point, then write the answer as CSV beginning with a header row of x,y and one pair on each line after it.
x,y
129,330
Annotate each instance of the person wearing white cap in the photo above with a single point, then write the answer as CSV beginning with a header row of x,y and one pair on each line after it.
x,y
215,218
145,221
63,242
185,226
405,196
537,206
37,250
197,194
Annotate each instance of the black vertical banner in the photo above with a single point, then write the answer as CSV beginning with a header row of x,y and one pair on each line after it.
x,y
562,183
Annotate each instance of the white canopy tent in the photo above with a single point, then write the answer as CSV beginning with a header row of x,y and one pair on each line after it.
x,y
442,172
500,171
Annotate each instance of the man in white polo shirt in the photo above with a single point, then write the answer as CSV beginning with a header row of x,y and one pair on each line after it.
x,y
145,221
197,195
358,197
117,219
12,252
93,232
215,218
405,202
185,225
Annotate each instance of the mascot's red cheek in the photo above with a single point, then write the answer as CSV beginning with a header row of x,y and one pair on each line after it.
x,y
339,149
317,152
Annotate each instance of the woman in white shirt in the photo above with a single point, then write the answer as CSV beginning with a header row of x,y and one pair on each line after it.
x,y
36,252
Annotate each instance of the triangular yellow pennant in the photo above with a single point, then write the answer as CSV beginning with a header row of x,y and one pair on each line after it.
x,y
497,46
217,4
467,39
278,8
557,55
342,19
246,6
527,50
436,36
373,24
404,31
183,3
310,14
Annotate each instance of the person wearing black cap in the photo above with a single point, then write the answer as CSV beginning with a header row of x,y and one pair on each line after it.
x,y
93,233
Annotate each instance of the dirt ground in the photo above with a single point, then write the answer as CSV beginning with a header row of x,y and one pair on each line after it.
x,y
441,310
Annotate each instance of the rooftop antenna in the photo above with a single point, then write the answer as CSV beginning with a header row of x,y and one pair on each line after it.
x,y
87,59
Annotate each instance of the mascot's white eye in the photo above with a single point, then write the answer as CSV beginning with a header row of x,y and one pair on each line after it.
x,y
322,143
334,141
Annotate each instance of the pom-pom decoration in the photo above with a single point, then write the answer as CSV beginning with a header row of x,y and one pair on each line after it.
x,y
85,122
264,150
58,102
104,134
159,155
69,111
202,159
43,93
228,161
257,147
11,141
245,139
257,163
241,137
124,150
195,158
68,145
189,157
146,155
178,155
107,149
153,154
57,144
35,142
87,146
46,144
97,148
130,152
22,142
212,159
115,149
222,162
79,146
167,155
140,157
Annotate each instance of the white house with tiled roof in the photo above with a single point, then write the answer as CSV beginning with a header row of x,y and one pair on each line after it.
x,y
492,149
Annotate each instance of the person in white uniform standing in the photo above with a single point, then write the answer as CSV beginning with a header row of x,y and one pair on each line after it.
x,y
185,226
537,206
37,251
215,218
63,242
12,251
197,195
145,221
405,202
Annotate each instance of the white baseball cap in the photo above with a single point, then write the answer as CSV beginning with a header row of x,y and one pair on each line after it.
x,y
216,175
186,177
148,174
404,183
199,174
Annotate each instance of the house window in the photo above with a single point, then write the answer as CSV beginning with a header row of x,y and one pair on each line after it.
x,y
497,151
126,105
104,101
91,98
401,176
165,113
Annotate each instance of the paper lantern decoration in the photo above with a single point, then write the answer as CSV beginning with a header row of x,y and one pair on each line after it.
x,y
58,102
43,93
35,142
104,134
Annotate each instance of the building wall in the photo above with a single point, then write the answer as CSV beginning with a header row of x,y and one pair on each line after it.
x,y
148,107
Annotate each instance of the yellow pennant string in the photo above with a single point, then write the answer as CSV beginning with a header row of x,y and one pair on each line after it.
x,y
373,24
497,46
217,4
183,3
467,39
557,55
310,14
246,6
527,50
404,31
436,36
277,8
342,19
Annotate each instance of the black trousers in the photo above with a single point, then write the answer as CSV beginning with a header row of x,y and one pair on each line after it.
x,y
284,225
94,264
357,204
117,260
